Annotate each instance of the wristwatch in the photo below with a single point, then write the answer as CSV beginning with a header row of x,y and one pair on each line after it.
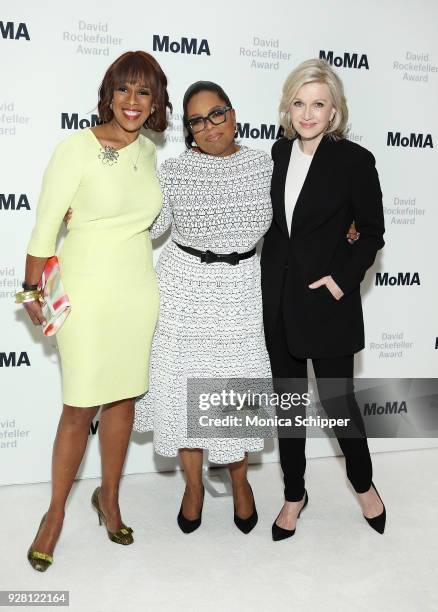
x,y
28,287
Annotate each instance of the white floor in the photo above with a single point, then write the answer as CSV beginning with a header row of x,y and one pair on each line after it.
x,y
335,562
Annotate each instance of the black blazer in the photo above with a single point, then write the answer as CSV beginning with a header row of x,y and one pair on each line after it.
x,y
342,185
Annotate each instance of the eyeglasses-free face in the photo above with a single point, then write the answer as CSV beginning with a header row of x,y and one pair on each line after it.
x,y
311,111
131,105
215,117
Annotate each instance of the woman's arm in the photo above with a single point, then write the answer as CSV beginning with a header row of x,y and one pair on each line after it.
x,y
164,219
60,183
34,270
369,220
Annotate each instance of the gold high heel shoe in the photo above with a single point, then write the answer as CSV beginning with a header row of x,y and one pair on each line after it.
x,y
122,536
38,560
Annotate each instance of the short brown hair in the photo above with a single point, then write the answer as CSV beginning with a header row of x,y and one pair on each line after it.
x,y
136,67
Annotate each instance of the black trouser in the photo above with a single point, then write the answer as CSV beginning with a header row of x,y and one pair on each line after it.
x,y
337,402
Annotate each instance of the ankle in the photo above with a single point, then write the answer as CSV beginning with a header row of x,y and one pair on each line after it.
x,y
109,495
370,490
195,487
293,505
241,485
56,512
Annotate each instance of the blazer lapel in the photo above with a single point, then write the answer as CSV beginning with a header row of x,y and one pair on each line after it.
x,y
279,183
312,180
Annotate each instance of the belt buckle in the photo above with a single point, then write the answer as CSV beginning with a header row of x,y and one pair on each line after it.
x,y
234,258
208,257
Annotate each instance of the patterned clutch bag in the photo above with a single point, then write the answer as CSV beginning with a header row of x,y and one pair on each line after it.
x,y
56,305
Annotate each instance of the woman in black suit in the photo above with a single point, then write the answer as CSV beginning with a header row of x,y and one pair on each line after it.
x,y
311,275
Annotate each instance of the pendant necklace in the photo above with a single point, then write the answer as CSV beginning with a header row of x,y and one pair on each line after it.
x,y
134,164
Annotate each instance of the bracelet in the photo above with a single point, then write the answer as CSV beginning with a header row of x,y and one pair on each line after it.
x,y
28,287
23,297
30,299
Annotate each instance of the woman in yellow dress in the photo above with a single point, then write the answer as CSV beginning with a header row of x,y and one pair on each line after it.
x,y
106,174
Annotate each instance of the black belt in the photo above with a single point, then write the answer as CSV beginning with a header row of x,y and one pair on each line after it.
x,y
210,257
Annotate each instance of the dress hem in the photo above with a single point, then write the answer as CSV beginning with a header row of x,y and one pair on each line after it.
x,y
105,401
171,454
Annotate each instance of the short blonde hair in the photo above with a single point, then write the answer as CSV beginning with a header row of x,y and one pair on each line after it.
x,y
311,71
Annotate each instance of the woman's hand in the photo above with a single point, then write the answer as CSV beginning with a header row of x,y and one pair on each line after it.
x,y
35,312
336,292
352,234
34,270
69,214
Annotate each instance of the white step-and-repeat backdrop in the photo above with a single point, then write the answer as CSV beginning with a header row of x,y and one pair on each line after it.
x,y
52,58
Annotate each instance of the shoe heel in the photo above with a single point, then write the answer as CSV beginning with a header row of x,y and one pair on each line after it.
x,y
188,525
278,533
378,522
38,560
122,536
95,504
246,525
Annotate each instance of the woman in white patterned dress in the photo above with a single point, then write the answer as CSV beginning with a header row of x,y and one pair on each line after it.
x,y
216,198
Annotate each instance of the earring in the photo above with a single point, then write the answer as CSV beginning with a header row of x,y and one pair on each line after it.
x,y
111,105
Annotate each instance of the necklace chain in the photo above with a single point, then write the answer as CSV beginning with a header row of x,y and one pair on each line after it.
x,y
134,164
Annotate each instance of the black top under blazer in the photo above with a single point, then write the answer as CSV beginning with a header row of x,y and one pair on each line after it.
x,y
341,185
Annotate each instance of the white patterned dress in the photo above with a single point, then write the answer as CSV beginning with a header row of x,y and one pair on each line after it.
x,y
210,323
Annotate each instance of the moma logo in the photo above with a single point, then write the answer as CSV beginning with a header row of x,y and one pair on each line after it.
x,y
265,131
388,408
400,279
193,46
15,31
12,201
347,60
73,122
395,139
12,360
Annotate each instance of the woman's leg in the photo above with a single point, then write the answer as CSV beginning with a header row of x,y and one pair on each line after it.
x,y
290,376
336,388
115,427
68,451
243,497
191,461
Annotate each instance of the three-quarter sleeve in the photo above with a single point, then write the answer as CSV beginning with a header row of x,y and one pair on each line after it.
x,y
369,221
60,184
164,219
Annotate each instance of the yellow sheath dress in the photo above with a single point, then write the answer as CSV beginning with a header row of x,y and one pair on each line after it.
x,y
106,265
